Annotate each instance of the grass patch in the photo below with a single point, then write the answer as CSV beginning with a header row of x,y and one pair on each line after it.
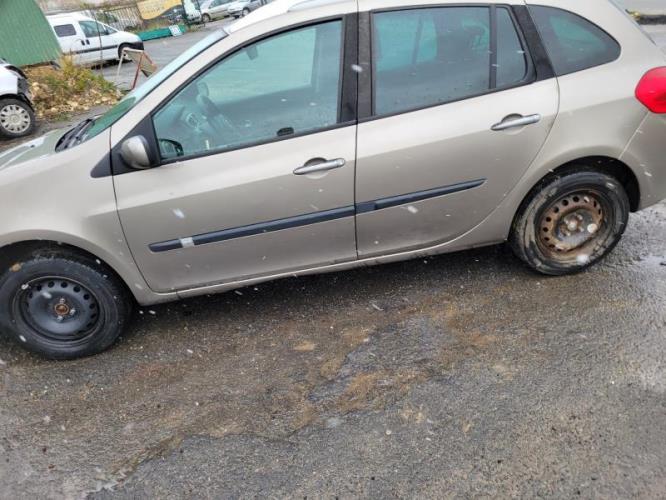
x,y
71,89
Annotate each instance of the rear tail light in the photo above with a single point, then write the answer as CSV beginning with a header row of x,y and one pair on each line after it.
x,y
651,90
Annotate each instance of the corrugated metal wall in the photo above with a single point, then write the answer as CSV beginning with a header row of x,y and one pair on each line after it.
x,y
25,34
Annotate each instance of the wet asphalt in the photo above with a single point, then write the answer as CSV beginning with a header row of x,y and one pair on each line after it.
x,y
464,375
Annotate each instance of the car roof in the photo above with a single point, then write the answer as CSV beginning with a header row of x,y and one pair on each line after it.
x,y
79,16
276,8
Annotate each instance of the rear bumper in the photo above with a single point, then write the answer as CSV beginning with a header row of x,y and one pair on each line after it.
x,y
646,155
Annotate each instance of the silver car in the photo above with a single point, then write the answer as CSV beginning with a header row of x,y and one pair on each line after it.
x,y
214,9
314,136
242,8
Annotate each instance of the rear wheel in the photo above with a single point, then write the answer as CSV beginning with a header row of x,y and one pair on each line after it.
x,y
245,12
206,18
63,306
16,118
570,222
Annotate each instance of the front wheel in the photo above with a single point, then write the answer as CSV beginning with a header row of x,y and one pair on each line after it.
x,y
62,306
206,18
570,222
121,48
245,12
17,118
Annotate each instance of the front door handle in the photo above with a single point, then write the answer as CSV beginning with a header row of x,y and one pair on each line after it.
x,y
515,121
320,165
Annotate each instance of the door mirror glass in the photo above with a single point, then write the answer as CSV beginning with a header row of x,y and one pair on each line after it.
x,y
135,152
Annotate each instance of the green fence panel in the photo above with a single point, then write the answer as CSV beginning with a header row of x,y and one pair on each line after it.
x,y
25,35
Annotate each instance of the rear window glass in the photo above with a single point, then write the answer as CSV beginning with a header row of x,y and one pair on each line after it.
x,y
65,30
573,43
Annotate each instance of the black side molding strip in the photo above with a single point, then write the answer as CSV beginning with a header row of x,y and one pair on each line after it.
x,y
394,201
253,229
312,218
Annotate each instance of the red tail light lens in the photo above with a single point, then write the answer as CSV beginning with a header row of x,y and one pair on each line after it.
x,y
651,90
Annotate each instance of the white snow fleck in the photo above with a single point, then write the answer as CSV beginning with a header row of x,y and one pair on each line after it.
x,y
583,259
152,312
412,209
648,174
357,68
25,287
179,213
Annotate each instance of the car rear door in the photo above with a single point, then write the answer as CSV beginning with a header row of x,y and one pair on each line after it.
x,y
459,106
258,160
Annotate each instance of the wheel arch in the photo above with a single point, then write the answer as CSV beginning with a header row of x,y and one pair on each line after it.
x,y
13,253
603,164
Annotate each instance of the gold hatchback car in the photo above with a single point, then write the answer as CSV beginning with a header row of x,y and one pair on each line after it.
x,y
320,135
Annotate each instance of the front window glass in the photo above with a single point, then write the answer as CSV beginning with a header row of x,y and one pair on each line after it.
x,y
284,85
91,29
131,99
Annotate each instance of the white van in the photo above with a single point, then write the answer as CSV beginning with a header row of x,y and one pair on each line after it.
x,y
90,41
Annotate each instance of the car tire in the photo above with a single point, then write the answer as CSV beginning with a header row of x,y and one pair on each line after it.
x,y
61,305
17,119
245,12
206,18
570,221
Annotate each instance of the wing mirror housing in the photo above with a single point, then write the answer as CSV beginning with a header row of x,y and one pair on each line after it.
x,y
136,153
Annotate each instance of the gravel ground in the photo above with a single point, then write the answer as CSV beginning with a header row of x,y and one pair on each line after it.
x,y
463,375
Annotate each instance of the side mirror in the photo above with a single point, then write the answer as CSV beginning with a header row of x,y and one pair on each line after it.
x,y
136,152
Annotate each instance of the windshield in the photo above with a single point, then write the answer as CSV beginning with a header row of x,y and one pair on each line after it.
x,y
131,99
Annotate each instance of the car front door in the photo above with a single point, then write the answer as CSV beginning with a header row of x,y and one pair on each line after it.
x,y
457,113
98,43
257,173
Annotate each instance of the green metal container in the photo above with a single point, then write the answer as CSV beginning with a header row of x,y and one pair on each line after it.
x,y
25,35
158,33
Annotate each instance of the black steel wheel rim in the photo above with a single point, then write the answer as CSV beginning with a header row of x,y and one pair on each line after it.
x,y
59,309
574,226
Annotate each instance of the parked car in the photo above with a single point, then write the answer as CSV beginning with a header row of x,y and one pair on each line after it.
x,y
241,8
89,41
306,138
214,9
17,116
180,14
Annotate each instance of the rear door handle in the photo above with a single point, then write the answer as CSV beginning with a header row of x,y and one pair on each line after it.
x,y
320,165
515,121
